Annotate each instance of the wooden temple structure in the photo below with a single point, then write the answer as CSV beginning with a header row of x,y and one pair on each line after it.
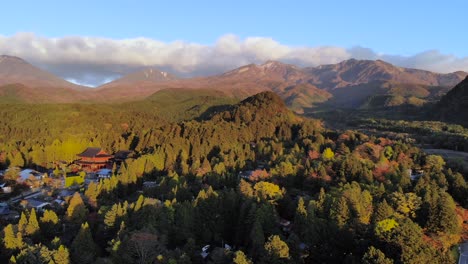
x,y
94,159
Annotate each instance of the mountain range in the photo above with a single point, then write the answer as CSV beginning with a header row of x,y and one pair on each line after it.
x,y
351,83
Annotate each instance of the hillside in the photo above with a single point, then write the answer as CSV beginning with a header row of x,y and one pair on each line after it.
x,y
385,94
21,82
16,70
453,106
182,104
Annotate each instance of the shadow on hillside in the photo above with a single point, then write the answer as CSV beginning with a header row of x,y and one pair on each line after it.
x,y
213,110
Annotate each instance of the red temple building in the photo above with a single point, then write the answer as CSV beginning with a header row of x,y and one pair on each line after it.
x,y
93,159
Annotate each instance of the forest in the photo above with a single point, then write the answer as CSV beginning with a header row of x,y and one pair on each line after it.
x,y
246,182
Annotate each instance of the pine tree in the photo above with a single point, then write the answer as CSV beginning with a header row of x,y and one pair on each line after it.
x,y
300,219
83,248
375,256
33,226
10,241
23,222
382,211
340,212
76,211
111,216
61,255
443,218
49,216
257,237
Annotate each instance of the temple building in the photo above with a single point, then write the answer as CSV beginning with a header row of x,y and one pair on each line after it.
x,y
94,159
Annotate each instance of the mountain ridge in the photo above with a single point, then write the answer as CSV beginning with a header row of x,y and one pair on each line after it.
x,y
349,83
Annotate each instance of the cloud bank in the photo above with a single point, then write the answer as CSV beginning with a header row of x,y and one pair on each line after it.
x,y
94,60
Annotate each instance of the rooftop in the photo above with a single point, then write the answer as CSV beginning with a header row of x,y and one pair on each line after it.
x,y
93,152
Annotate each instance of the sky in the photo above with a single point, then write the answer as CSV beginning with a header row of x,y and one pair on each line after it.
x,y
92,42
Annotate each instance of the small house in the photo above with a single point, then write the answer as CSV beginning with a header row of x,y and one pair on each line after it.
x,y
104,173
38,205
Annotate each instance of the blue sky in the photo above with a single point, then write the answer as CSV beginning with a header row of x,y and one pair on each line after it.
x,y
206,37
395,27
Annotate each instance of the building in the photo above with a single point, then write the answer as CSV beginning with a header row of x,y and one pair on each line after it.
x,y
39,205
104,173
94,159
29,176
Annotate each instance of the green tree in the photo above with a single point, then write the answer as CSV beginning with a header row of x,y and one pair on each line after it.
x,y
443,218
375,256
76,211
300,219
434,163
405,204
83,248
382,211
339,212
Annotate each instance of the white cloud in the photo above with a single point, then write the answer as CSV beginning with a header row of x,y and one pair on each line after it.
x,y
95,60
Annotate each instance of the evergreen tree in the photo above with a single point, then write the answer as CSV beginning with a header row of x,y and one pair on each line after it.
x,y
300,219
33,225
111,216
257,238
83,248
76,211
382,211
61,255
443,218
10,240
375,256
340,212
23,223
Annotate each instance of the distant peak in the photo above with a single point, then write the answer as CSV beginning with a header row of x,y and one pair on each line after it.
x,y
273,63
10,58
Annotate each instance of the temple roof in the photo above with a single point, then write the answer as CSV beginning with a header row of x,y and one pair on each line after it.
x,y
93,152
